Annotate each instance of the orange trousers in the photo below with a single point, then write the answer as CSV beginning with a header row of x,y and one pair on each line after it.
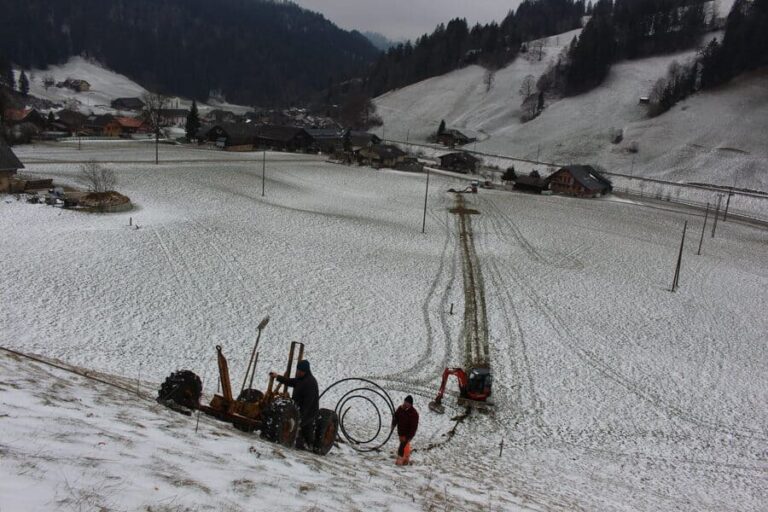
x,y
403,452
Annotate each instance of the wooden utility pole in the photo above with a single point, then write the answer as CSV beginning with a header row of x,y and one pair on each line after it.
x,y
727,204
263,172
676,280
704,227
717,211
426,195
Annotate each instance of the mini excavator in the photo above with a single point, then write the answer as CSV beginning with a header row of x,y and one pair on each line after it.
x,y
474,389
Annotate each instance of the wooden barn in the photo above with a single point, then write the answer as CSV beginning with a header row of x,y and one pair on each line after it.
x,y
459,162
9,164
282,138
580,181
535,184
229,136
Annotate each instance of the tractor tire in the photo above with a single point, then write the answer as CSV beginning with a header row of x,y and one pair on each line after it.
x,y
183,388
280,422
250,396
326,430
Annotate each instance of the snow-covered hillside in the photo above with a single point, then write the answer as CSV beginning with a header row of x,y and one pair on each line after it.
x,y
714,137
611,392
106,85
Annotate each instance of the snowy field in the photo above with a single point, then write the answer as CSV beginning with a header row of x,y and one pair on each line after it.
x,y
715,137
612,393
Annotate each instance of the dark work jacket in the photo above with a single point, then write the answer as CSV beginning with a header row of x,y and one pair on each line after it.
x,y
407,422
305,395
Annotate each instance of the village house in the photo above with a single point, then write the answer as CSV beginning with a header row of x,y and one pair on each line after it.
x,y
452,138
9,164
17,116
173,116
134,104
579,181
381,155
131,125
71,120
221,116
459,162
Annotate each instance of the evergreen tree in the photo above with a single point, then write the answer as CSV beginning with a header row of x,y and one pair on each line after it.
x,y
193,121
23,83
6,71
441,128
509,174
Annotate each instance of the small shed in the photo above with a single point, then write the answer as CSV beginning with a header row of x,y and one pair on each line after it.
x,y
580,181
9,164
461,161
535,184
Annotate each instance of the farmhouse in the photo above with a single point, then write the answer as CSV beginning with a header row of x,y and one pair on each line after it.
x,y
222,116
9,164
131,125
330,140
459,162
580,181
128,104
381,155
71,120
452,138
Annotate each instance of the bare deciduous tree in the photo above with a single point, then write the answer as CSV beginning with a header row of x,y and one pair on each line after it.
x,y
528,87
154,104
96,177
489,78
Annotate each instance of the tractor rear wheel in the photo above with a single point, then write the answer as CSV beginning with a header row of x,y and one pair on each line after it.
x,y
326,429
280,422
183,388
250,395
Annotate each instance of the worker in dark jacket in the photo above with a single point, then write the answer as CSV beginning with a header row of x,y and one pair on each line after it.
x,y
407,421
306,398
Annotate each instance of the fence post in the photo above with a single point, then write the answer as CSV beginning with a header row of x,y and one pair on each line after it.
x,y
676,280
704,227
717,211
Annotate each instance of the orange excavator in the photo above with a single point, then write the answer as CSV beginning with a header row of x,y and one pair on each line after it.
x,y
474,389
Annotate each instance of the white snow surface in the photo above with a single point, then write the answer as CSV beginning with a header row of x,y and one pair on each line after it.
x,y
611,392
715,137
106,85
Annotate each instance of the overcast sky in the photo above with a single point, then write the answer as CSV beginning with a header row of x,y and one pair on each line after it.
x,y
406,19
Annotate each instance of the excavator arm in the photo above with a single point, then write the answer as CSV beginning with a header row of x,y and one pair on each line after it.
x,y
461,376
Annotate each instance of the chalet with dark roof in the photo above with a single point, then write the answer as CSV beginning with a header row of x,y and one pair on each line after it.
x,y
135,104
9,164
461,161
381,155
531,183
452,138
580,181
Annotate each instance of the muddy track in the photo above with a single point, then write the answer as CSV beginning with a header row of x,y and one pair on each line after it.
x,y
475,329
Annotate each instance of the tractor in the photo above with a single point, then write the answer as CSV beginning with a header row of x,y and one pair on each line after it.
x,y
272,412
474,389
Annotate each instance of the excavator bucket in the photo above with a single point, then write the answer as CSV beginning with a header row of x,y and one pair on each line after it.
x,y
437,407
